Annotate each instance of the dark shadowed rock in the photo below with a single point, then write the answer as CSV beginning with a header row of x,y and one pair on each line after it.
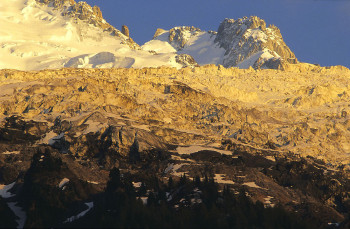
x,y
125,30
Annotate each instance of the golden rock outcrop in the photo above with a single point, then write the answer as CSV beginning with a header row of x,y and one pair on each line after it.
x,y
302,109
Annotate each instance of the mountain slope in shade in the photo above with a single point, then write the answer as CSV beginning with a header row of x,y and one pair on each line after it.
x,y
61,33
238,43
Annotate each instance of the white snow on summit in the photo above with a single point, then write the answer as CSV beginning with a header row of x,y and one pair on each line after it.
x,y
203,49
36,36
159,46
199,44
243,43
256,34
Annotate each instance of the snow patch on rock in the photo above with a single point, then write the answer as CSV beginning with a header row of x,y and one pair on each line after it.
x,y
90,205
22,216
197,148
5,190
63,182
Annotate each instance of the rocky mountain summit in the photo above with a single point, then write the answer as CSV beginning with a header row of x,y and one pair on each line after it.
x,y
50,34
249,39
237,43
179,36
84,12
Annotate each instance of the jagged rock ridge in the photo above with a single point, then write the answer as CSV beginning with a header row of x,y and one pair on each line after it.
x,y
178,36
247,38
50,34
84,12
237,43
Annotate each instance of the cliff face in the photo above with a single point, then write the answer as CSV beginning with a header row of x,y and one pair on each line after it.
x,y
91,15
179,36
297,110
243,43
249,38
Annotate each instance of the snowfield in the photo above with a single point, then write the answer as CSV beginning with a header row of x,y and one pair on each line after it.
x,y
200,46
204,50
35,36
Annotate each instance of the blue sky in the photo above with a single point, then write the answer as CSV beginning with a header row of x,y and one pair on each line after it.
x,y
317,31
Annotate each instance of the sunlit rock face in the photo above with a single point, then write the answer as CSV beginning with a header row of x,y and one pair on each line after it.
x,y
125,30
84,12
249,39
243,43
282,136
303,110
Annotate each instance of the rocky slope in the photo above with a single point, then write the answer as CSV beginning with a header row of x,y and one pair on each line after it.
x,y
61,131
302,110
242,43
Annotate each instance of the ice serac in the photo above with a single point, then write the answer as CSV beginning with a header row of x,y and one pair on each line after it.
x,y
248,42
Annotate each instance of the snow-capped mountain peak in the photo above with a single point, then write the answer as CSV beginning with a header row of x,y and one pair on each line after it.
x,y
81,11
248,42
239,43
44,34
